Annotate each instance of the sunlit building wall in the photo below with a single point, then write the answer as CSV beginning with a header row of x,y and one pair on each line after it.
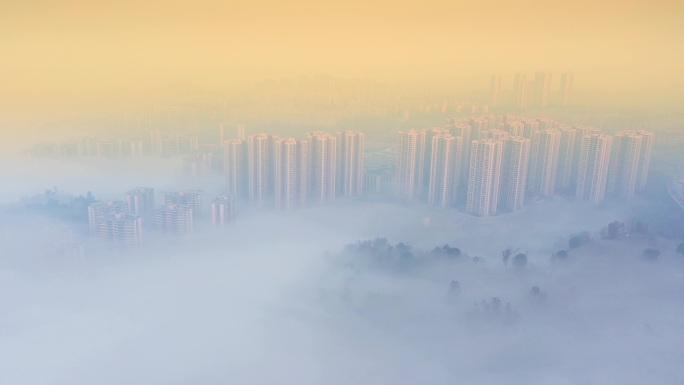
x,y
484,177
174,219
234,167
592,173
122,230
260,159
350,176
222,211
186,198
444,169
566,88
323,160
544,162
566,157
514,166
410,163
291,173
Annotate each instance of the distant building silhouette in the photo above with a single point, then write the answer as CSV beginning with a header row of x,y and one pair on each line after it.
x,y
541,92
566,88
495,91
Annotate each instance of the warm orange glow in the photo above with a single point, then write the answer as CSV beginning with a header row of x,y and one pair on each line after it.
x,y
59,58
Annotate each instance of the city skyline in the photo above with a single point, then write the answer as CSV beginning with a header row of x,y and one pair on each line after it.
x,y
341,193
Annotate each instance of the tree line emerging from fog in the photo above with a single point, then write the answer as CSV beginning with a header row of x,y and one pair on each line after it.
x,y
403,258
56,204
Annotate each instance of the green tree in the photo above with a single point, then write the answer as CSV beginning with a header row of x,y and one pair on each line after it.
x,y
520,260
651,254
680,249
505,255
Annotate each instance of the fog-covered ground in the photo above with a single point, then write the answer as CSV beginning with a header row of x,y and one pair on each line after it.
x,y
276,300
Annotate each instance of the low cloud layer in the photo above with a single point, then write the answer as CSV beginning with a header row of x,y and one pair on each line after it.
x,y
275,300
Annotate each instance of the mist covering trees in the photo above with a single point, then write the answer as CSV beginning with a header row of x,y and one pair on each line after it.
x,y
680,249
56,204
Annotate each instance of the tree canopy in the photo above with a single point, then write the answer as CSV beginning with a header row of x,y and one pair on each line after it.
x,y
520,260
651,254
680,249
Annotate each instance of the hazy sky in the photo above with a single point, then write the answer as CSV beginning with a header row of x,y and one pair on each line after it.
x,y
92,53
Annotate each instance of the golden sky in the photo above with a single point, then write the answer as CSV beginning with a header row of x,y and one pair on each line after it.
x,y
61,54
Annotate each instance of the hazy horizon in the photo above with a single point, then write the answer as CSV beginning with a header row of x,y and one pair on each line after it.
x,y
401,220
63,60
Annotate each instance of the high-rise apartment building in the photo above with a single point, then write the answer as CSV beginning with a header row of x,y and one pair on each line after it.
x,y
478,125
624,164
191,199
222,211
565,158
98,212
174,219
630,156
514,166
565,88
592,171
463,130
140,202
168,147
234,167
322,166
187,144
377,180
350,175
110,222
154,143
530,126
444,170
514,127
542,89
410,163
644,158
495,91
580,133
521,90
544,162
71,150
121,230
231,131
484,177
135,148
291,166
494,134
261,176
105,148
429,134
